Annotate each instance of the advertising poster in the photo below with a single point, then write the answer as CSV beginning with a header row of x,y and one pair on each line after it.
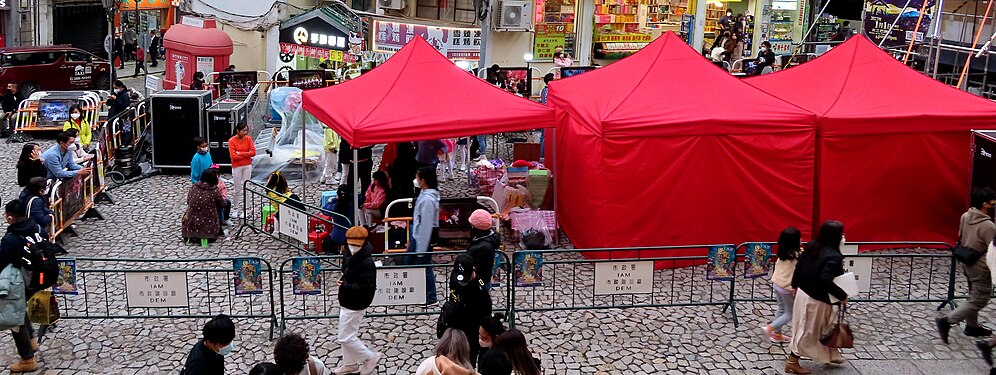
x,y
400,286
205,65
66,282
496,272
454,43
757,260
248,276
307,276
306,79
454,218
881,14
529,268
71,192
548,37
721,263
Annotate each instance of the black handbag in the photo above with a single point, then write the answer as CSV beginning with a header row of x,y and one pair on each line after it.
x,y
966,255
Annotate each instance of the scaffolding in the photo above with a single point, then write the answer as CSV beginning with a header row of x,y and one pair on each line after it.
x,y
958,52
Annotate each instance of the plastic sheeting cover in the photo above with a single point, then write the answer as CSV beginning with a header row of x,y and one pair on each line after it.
x,y
280,149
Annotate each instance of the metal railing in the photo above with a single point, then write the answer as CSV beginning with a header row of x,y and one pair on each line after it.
x,y
262,216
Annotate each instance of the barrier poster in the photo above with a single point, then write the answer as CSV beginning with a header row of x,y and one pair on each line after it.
x,y
400,286
529,268
156,289
757,260
631,277
71,191
66,281
881,14
496,273
307,276
721,263
248,276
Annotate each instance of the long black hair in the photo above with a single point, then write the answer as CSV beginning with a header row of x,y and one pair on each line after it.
x,y
788,243
513,342
831,232
26,151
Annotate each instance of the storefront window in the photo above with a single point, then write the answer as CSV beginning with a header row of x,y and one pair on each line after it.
x,y
784,24
555,27
623,27
446,10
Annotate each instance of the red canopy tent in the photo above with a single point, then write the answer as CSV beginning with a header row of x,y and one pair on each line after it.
x,y
417,95
893,147
665,148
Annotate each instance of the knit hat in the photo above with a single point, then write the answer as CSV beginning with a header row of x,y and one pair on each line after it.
x,y
357,236
480,219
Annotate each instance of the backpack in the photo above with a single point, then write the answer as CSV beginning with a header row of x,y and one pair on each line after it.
x,y
41,258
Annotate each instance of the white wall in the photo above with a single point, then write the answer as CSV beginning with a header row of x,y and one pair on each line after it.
x,y
249,52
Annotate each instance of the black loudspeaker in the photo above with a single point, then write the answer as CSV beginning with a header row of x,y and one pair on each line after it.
x,y
221,121
177,117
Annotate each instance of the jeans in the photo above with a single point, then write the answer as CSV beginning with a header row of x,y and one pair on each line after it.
x,y
980,288
423,258
354,351
784,311
225,211
482,140
22,339
240,175
542,145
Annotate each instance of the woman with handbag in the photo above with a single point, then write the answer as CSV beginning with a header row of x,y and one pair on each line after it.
x,y
812,313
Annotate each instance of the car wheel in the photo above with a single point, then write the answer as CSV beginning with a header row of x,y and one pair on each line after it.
x,y
28,88
103,83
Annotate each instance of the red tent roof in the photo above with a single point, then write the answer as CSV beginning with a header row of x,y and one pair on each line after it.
x,y
416,95
668,89
857,80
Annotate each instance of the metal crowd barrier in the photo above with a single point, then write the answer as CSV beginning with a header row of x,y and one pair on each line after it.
x,y
258,206
891,277
626,279
104,288
26,118
401,286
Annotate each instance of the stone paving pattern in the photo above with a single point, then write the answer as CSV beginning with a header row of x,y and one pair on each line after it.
x,y
892,338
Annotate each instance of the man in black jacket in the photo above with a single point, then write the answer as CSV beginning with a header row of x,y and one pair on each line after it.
x,y
467,305
483,245
11,101
357,288
12,251
207,357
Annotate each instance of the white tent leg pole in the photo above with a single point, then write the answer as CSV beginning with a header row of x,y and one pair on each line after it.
x,y
355,176
304,165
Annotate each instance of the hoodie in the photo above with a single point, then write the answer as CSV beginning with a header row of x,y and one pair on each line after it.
x,y
426,217
976,230
482,249
39,210
13,242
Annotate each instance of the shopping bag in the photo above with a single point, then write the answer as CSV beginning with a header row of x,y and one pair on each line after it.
x,y
43,308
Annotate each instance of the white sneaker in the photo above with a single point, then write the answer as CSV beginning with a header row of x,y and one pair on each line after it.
x,y
227,223
370,364
347,369
337,177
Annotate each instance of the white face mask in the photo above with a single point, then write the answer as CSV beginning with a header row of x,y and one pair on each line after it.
x,y
72,147
415,182
353,249
75,116
484,344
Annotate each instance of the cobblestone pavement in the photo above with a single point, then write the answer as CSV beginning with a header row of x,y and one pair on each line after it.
x,y
892,338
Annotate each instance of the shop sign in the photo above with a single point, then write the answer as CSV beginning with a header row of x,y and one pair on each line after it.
x,y
548,38
315,33
619,38
881,14
624,278
454,43
318,53
205,64
156,289
127,5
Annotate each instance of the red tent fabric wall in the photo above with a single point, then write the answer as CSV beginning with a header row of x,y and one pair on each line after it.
x,y
418,94
665,148
894,144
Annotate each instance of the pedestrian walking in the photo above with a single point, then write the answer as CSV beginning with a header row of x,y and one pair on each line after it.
x,y
154,46
975,231
201,160
491,327
781,281
357,288
242,149
292,357
12,254
467,304
452,356
484,244
812,313
513,344
986,346
425,226
29,164
207,357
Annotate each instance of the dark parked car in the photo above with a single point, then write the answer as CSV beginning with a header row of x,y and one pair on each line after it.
x,y
53,68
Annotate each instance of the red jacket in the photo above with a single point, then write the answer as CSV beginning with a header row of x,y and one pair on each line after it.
x,y
246,150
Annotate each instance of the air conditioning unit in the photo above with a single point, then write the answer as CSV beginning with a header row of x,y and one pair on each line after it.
x,y
515,15
390,4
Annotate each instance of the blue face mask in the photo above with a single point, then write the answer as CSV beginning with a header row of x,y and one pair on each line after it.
x,y
227,350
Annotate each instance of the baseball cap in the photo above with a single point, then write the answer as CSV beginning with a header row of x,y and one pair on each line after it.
x,y
463,269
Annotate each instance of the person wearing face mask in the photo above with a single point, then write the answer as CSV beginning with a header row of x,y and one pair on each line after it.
x,y
59,159
76,121
765,58
487,361
468,302
119,100
79,156
726,22
975,230
201,160
35,197
207,357
357,288
561,59
425,226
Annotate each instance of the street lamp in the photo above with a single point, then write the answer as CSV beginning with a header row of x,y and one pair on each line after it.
x,y
110,6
